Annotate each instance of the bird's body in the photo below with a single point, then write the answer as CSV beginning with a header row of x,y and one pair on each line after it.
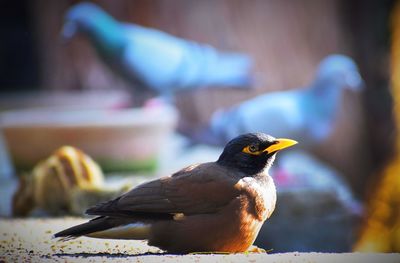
x,y
153,59
308,114
246,202
216,206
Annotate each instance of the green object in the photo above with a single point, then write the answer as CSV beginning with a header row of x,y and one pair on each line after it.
x,y
107,165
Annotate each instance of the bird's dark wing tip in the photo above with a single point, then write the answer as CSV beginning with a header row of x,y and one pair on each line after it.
x,y
91,211
94,225
100,208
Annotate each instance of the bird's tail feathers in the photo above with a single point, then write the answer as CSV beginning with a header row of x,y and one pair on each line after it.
x,y
94,225
107,227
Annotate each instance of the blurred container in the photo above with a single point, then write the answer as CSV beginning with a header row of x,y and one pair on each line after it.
x,y
112,99
119,140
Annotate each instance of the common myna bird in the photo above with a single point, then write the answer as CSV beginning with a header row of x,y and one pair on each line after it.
x,y
152,59
308,114
210,207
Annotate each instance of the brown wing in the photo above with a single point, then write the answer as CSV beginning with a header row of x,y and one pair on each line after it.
x,y
202,188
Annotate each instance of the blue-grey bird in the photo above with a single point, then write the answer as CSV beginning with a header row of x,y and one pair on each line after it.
x,y
305,114
153,59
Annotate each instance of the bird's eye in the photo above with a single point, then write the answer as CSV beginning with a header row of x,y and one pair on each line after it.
x,y
251,149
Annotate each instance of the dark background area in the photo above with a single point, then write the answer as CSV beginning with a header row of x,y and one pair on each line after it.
x,y
19,63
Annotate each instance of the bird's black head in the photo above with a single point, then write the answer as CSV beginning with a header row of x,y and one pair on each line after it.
x,y
252,153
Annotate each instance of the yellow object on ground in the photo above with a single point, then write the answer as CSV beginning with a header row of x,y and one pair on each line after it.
x,y
53,182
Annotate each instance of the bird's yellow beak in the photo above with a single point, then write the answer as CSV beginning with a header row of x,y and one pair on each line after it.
x,y
280,144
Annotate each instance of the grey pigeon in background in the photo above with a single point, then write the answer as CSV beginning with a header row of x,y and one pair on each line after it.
x,y
151,59
305,114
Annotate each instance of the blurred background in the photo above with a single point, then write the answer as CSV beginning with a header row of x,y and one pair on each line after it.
x,y
56,91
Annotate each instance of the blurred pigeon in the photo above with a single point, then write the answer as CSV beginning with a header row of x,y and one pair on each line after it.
x,y
154,59
307,115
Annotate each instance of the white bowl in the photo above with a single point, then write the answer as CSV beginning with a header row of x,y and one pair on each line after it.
x,y
123,139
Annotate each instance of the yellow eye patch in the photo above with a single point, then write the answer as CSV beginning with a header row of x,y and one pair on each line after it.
x,y
252,149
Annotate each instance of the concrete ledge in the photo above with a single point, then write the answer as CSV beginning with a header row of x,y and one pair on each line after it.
x,y
31,240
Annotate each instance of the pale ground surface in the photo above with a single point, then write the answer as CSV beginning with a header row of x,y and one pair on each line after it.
x,y
30,240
